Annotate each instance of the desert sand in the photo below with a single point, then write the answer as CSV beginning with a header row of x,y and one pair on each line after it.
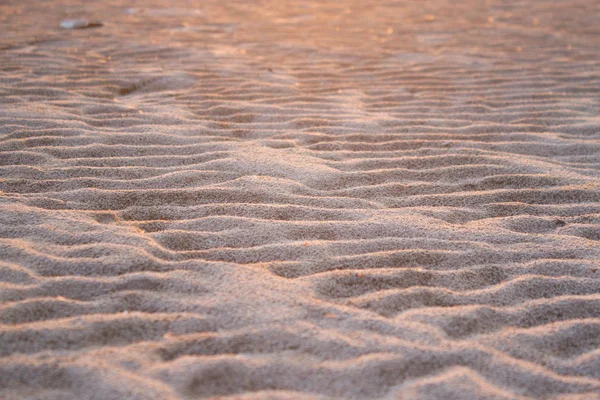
x,y
300,200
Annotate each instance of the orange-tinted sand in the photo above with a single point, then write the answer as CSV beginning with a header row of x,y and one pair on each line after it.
x,y
298,199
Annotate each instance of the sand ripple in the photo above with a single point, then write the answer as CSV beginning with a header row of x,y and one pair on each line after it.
x,y
300,200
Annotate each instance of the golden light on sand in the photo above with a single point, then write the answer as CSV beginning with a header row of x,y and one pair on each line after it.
x,y
299,199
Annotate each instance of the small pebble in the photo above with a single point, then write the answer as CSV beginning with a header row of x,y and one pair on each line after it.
x,y
80,24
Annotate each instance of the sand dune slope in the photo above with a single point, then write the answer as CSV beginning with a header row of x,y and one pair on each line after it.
x,y
300,200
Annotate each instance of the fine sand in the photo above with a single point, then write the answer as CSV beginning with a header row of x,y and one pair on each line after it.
x,y
300,200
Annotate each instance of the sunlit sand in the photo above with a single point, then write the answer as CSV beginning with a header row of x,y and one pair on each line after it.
x,y
299,200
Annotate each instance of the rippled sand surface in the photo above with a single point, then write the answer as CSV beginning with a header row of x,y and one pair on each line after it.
x,y
300,200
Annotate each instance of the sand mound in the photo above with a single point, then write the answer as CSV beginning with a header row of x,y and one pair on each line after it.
x,y
300,200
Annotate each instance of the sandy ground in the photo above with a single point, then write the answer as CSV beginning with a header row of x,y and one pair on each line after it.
x,y
299,199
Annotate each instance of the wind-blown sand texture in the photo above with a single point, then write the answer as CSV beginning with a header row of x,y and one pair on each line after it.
x,y
298,200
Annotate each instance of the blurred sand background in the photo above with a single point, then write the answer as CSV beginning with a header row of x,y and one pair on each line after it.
x,y
300,200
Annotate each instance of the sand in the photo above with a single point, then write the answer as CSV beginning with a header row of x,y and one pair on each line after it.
x,y
300,200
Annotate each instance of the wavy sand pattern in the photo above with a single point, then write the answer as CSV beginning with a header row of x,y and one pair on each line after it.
x,y
300,200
